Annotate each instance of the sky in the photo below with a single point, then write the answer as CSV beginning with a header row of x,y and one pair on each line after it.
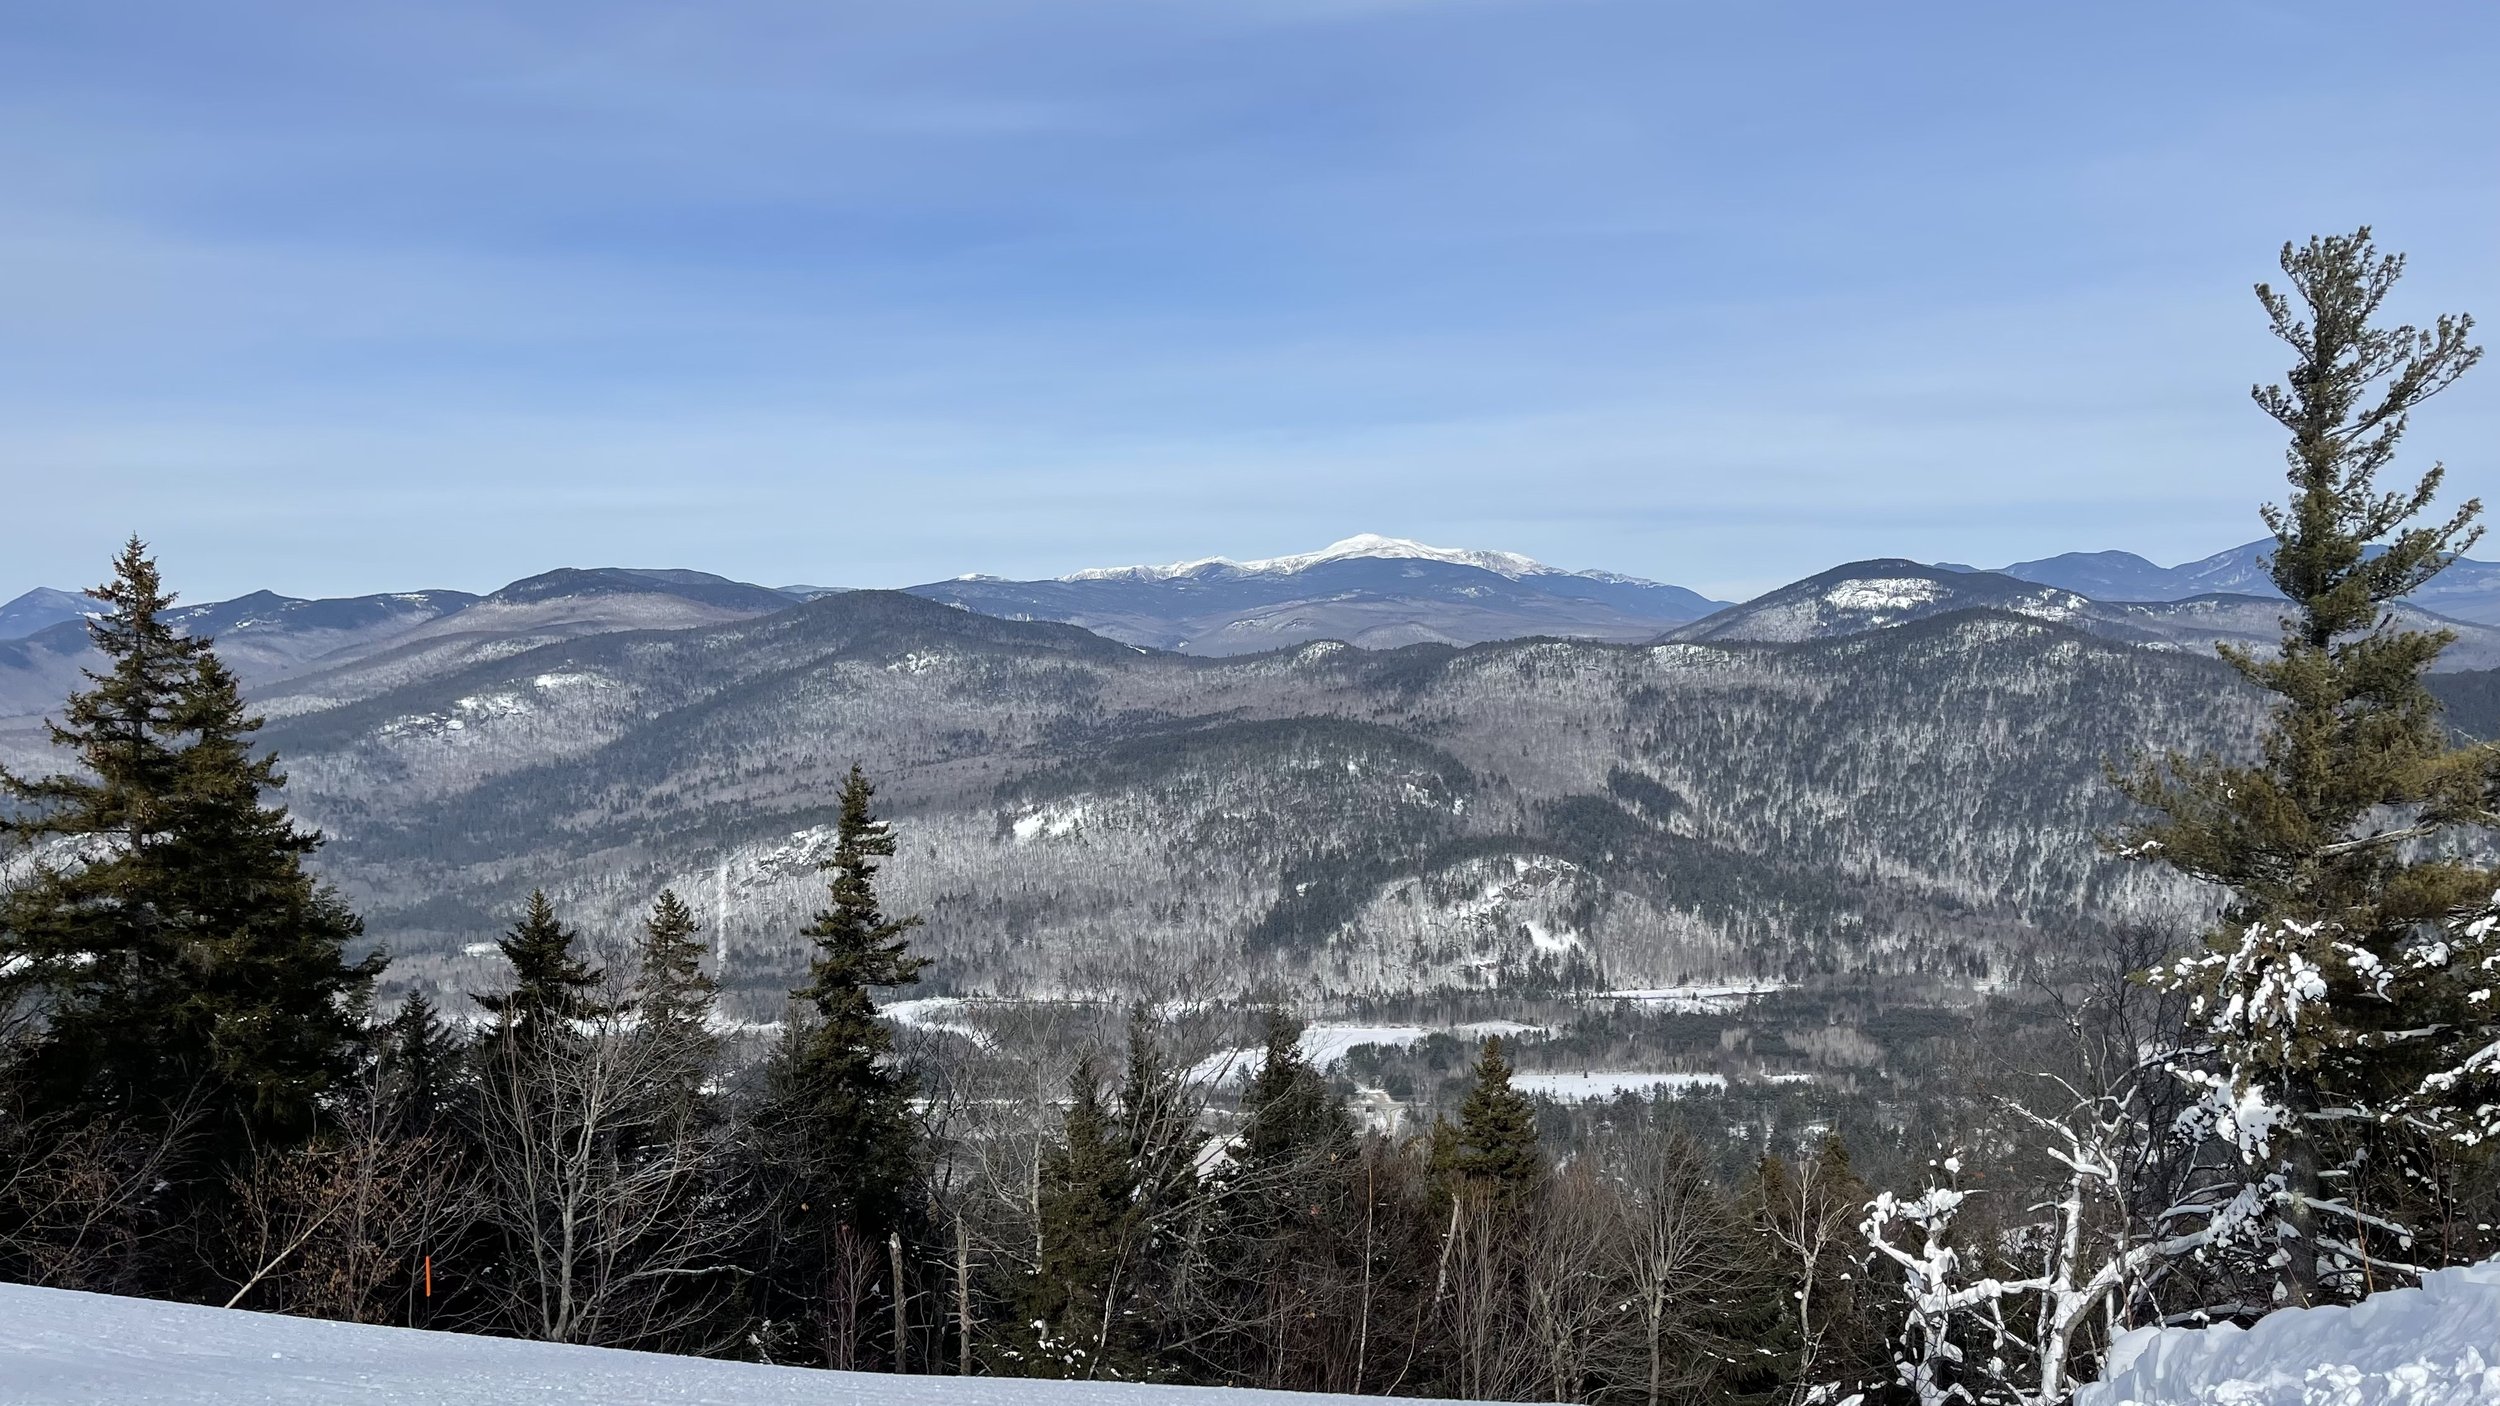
x,y
332,299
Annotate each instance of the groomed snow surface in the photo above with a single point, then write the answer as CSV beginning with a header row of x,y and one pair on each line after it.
x,y
61,1347
2438,1345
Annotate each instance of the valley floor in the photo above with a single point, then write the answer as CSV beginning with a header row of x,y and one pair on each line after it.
x,y
59,1348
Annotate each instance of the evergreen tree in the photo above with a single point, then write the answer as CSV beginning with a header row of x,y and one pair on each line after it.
x,y
274,1008
81,935
841,1143
673,997
1088,1205
1494,1146
1288,1113
178,948
551,987
1291,1237
836,1085
422,1058
1158,1114
2335,843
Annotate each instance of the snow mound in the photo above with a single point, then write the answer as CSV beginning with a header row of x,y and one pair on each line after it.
x,y
60,1348
2438,1345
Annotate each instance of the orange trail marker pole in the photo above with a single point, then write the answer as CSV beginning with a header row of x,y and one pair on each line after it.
x,y
429,1276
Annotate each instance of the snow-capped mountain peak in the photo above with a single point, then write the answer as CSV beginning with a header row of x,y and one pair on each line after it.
x,y
1365,544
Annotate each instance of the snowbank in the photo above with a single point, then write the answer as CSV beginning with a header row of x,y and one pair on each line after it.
x,y
2438,1345
58,1347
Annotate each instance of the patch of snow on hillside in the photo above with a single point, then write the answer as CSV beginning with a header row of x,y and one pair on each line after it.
x,y
2438,1345
552,683
2052,605
1551,940
477,708
1883,593
1506,1029
1050,822
62,1347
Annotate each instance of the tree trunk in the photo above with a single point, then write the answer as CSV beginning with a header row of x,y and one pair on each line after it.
x,y
894,1263
963,1297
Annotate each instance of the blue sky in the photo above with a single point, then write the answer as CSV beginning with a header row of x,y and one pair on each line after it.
x,y
340,298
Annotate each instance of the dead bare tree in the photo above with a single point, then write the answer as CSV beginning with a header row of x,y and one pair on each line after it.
x,y
1678,1250
1567,1291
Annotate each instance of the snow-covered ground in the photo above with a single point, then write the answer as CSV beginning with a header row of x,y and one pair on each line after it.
x,y
1322,1045
1607,1084
2438,1345
58,1347
1695,1000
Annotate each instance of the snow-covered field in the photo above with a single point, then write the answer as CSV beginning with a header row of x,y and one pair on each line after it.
x,y
2438,1345
1695,1000
61,1347
1603,1084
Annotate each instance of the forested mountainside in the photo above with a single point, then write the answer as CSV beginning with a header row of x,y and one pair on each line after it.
x,y
266,637
1081,814
1872,595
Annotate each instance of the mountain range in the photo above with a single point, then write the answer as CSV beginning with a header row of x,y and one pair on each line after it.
x,y
1888,769
2466,590
1081,815
1370,591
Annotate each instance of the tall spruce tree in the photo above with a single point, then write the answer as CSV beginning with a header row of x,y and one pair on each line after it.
x,y
1494,1146
177,947
673,996
840,1143
2336,845
552,985
835,1086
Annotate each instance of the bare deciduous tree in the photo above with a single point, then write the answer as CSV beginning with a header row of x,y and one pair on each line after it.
x,y
615,1201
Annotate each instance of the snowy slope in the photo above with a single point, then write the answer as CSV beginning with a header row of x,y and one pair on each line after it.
x,y
2438,1345
60,1347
